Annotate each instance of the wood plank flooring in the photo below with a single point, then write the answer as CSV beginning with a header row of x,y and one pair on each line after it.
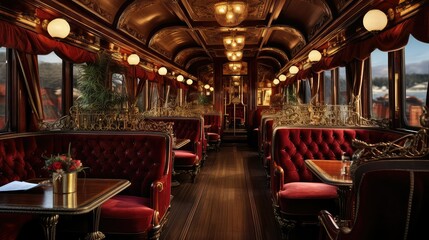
x,y
229,200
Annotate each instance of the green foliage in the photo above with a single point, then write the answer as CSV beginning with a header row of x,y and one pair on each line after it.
x,y
92,84
204,100
411,80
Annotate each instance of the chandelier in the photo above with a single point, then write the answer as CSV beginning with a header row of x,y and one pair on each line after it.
x,y
234,56
230,13
235,66
233,42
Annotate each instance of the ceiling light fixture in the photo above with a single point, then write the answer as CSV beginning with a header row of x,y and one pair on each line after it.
x,y
234,56
233,42
211,89
58,28
189,81
230,13
314,56
375,20
293,70
162,71
207,86
235,67
133,59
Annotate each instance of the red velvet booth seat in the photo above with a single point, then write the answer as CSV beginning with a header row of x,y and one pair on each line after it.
x,y
189,158
297,195
214,132
390,198
144,158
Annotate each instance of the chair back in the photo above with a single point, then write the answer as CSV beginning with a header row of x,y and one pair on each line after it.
x,y
391,200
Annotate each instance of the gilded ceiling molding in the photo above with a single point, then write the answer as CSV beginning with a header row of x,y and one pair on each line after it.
x,y
196,59
169,33
184,54
133,33
94,6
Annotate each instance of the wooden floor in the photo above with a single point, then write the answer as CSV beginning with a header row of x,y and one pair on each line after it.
x,y
229,200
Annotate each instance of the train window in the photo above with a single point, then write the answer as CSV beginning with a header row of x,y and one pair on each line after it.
x,y
3,88
380,84
327,80
118,84
416,79
342,94
50,76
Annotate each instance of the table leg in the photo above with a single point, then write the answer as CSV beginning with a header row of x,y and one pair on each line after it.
x,y
344,199
95,234
49,223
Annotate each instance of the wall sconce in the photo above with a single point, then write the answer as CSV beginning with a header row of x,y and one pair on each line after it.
x,y
189,81
282,77
276,81
230,14
375,20
133,59
293,70
314,56
162,71
58,28
180,78
234,56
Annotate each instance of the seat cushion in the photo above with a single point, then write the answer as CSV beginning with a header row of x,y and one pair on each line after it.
x,y
213,137
126,214
183,157
307,198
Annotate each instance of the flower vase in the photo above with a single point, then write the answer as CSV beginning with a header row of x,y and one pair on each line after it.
x,y
63,183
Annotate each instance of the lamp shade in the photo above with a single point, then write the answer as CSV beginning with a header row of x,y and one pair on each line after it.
x,y
133,59
282,77
58,28
230,13
276,81
189,81
162,71
314,56
293,70
180,78
375,20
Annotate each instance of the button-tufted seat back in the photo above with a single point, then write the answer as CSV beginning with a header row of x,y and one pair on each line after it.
x,y
291,146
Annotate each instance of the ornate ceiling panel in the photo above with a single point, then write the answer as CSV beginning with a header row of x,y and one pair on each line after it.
x,y
184,36
181,39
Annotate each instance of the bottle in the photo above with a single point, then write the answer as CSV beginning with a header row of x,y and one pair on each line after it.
x,y
345,164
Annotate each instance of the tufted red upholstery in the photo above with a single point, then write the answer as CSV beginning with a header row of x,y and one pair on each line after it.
x,y
390,198
214,133
144,158
292,146
188,128
296,193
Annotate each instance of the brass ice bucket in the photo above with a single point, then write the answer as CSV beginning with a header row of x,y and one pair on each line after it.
x,y
64,182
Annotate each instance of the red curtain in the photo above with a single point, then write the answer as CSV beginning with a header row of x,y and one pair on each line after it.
x,y
32,43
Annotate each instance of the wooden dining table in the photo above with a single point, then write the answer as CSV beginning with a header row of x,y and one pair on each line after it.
x,y
332,172
91,193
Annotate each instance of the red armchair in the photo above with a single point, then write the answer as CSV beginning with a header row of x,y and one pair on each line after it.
x,y
390,199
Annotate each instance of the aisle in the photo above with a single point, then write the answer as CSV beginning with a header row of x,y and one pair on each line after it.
x,y
230,200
